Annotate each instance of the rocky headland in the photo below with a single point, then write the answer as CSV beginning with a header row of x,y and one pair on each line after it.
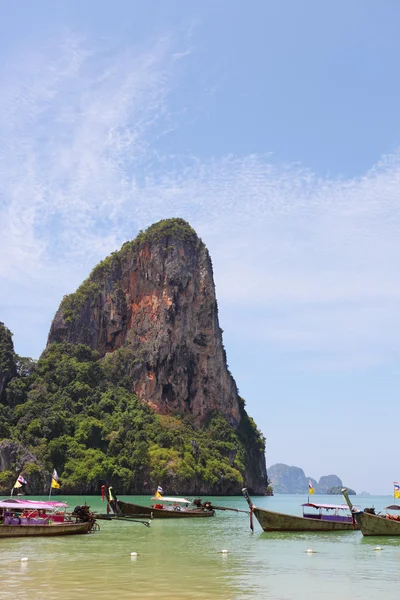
x,y
133,387
292,480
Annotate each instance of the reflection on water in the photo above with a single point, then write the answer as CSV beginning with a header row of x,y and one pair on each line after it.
x,y
182,559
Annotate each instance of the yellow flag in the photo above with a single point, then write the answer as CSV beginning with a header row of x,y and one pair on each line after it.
x,y
54,483
310,488
20,482
396,492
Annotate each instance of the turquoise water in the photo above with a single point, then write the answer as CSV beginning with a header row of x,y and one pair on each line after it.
x,y
182,559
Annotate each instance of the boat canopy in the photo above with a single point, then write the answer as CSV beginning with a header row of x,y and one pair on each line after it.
x,y
327,506
174,500
393,507
31,504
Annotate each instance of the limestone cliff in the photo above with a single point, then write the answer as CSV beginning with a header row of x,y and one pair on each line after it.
x,y
8,368
16,459
327,482
154,304
292,480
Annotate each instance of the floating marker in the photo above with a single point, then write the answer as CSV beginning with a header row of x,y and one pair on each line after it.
x,y
224,551
378,548
133,553
309,551
24,559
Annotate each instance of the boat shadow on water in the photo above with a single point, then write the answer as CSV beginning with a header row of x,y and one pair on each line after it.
x,y
326,536
379,541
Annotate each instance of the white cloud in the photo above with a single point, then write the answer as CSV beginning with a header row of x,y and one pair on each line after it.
x,y
304,263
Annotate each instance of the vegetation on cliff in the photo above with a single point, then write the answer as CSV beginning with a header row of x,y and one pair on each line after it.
x,y
7,355
8,370
76,413
179,229
336,490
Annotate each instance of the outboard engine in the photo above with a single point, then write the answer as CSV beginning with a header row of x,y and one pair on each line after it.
x,y
369,511
82,514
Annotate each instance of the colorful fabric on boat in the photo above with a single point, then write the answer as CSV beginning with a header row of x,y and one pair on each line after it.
x,y
310,488
159,492
396,489
20,482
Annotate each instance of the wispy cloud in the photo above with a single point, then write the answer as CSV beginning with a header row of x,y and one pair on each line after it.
x,y
302,263
75,127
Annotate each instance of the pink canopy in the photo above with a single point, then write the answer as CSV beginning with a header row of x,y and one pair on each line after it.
x,y
31,504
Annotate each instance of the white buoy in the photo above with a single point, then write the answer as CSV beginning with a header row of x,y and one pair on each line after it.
x,y
133,553
309,551
378,548
24,559
224,551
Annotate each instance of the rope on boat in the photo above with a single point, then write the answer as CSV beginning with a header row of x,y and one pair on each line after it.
x,y
119,517
237,510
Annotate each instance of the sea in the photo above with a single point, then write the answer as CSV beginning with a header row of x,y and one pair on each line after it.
x,y
203,559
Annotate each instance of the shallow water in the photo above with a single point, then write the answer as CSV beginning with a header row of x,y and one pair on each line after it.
x,y
182,559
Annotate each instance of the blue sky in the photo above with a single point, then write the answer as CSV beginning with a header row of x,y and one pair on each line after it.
x,y
273,128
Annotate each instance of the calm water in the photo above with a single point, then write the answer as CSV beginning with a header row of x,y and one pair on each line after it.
x,y
182,559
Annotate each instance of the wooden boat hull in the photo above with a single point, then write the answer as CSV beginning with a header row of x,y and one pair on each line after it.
x,y
133,510
43,530
274,521
377,525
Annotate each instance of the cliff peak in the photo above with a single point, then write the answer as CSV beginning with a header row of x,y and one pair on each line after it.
x,y
156,297
175,228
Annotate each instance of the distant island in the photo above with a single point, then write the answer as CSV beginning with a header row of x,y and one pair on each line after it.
x,y
285,479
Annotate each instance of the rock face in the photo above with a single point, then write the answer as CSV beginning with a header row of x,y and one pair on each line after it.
x,y
16,459
292,480
287,480
8,368
329,481
157,297
154,302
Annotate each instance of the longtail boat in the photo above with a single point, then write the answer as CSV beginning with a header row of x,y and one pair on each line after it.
x,y
162,507
32,518
328,517
373,524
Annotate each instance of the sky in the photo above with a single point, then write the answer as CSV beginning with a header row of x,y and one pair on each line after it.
x,y
273,128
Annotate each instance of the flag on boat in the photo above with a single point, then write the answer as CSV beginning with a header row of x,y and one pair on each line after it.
x,y
396,489
159,492
20,482
310,488
54,480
